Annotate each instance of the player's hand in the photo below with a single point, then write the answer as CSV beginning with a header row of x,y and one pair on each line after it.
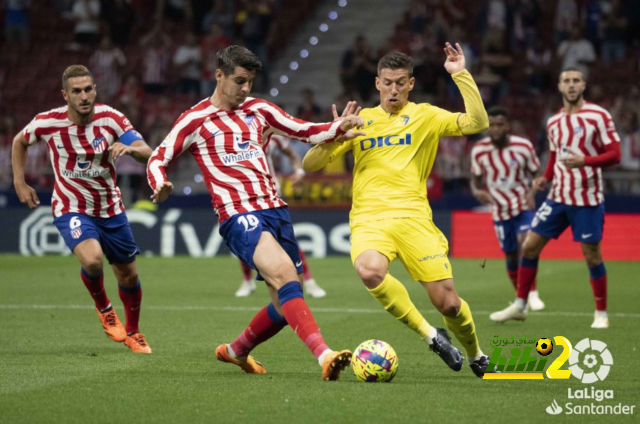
x,y
351,108
455,58
483,197
297,177
119,149
540,183
162,193
572,161
27,195
349,125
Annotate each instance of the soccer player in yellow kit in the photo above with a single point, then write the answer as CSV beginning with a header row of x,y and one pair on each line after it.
x,y
390,216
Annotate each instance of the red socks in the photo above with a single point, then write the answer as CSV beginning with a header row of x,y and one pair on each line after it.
x,y
266,324
131,299
95,286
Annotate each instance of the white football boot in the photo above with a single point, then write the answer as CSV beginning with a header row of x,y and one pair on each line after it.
x,y
510,312
246,288
313,289
600,320
534,302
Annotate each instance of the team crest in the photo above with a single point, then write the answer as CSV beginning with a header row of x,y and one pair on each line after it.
x,y
76,233
405,119
577,130
98,144
249,120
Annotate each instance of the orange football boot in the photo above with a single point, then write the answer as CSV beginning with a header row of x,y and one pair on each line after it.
x,y
112,326
137,343
335,362
248,364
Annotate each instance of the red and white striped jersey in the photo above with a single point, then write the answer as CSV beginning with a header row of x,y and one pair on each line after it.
x,y
507,173
584,133
275,144
228,146
85,173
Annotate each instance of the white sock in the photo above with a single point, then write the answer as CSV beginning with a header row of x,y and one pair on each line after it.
x,y
533,293
231,352
520,303
323,355
433,333
602,314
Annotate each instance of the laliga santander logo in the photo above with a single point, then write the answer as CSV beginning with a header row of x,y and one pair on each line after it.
x,y
590,361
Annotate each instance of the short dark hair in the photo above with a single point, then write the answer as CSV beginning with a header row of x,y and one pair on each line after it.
x,y
498,111
75,71
228,58
572,69
396,60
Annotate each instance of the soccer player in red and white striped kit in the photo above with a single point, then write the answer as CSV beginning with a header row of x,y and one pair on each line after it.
x,y
227,135
85,139
507,163
583,140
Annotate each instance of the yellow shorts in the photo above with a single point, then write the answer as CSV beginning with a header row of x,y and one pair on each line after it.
x,y
419,244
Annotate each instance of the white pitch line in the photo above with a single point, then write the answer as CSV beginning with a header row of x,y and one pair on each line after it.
x,y
314,309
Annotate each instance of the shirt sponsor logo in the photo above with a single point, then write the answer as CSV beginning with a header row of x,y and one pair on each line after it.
x,y
231,158
390,140
430,257
242,145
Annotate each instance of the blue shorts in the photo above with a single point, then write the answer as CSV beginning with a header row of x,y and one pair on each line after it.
x,y
507,231
114,235
242,232
552,218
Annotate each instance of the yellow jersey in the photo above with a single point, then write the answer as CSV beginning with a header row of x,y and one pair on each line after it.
x,y
394,159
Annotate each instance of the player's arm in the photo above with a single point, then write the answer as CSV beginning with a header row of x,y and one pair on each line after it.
x,y
284,124
478,192
296,163
131,143
475,118
178,140
19,154
611,145
320,156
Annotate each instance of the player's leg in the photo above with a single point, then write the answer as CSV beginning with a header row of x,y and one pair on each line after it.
x,y
311,287
248,284
372,249
507,238
521,227
81,235
121,249
587,224
459,320
550,221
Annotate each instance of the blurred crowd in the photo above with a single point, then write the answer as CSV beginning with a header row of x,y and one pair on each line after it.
x,y
514,48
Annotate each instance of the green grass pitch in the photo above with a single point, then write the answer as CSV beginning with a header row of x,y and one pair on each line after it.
x,y
56,364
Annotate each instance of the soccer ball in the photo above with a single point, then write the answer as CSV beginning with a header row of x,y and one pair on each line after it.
x,y
374,361
544,346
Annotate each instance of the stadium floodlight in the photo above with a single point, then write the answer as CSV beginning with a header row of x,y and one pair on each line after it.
x,y
304,53
274,92
313,41
342,3
197,178
284,79
324,27
187,190
333,15
293,65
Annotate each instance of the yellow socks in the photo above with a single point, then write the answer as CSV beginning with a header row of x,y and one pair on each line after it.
x,y
394,297
464,329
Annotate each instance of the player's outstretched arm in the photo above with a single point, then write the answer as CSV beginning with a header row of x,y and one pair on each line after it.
x,y
139,150
162,192
475,118
25,192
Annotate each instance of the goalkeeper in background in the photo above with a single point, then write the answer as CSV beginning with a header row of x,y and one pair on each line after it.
x,y
391,217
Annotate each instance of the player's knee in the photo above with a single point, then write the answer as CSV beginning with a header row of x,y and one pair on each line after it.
x,y
93,266
129,280
530,249
450,307
370,274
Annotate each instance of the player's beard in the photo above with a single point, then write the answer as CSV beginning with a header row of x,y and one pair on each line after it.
x,y
501,142
573,102
84,114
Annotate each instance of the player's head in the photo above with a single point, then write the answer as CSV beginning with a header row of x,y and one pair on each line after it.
x,y
236,70
394,81
79,89
498,125
572,85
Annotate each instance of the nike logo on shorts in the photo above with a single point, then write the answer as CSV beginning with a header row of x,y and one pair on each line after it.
x,y
584,236
298,264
